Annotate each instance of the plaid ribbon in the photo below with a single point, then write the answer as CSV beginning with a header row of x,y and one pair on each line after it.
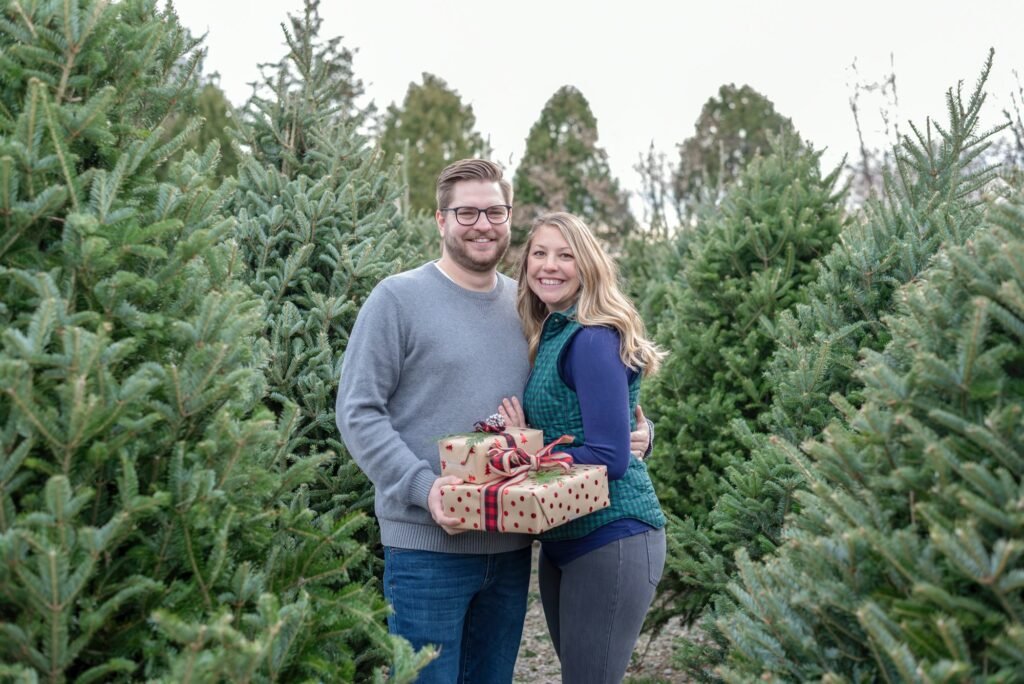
x,y
515,464
495,425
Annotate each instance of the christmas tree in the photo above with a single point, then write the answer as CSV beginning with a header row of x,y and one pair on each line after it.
x,y
432,129
564,169
905,560
154,516
319,224
754,258
930,200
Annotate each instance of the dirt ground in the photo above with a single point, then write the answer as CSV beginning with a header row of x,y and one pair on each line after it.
x,y
538,664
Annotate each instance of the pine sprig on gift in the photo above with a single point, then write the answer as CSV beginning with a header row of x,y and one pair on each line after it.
x,y
546,476
494,420
472,438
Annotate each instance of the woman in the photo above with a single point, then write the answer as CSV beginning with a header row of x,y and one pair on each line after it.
x,y
598,573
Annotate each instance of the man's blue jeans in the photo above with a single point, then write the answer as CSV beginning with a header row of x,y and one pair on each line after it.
x,y
471,606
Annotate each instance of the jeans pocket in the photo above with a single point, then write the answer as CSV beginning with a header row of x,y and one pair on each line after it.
x,y
655,541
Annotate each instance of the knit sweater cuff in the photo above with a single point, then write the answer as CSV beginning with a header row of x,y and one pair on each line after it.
x,y
419,488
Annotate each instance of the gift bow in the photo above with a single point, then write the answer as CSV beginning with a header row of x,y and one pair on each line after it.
x,y
515,464
513,461
494,425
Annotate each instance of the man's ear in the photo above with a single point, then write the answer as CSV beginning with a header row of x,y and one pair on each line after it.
x,y
439,219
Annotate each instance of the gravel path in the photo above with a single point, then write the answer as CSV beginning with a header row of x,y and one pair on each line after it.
x,y
538,664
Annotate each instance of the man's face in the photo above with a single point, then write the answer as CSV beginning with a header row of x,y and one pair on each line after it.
x,y
479,247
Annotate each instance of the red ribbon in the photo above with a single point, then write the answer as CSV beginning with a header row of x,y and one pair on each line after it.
x,y
515,464
512,460
494,425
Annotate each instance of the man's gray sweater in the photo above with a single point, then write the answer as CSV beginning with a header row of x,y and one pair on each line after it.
x,y
426,358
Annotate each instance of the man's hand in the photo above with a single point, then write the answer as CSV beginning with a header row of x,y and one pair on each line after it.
x,y
437,510
640,440
512,412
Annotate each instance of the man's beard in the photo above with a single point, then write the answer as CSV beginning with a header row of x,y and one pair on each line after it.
x,y
456,249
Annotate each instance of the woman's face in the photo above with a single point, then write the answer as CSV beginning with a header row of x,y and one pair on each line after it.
x,y
551,269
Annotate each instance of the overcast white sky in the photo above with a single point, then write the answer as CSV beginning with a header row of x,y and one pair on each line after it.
x,y
645,66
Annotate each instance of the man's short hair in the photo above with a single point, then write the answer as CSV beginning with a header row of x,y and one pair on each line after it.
x,y
470,169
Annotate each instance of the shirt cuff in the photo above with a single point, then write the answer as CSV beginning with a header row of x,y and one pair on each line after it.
x,y
650,443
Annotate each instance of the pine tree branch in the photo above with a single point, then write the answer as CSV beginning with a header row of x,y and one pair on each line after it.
x,y
75,43
55,609
192,561
28,22
12,236
236,453
36,423
182,85
58,146
68,66
31,116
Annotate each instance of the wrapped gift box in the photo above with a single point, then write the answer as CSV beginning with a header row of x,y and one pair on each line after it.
x,y
544,499
465,456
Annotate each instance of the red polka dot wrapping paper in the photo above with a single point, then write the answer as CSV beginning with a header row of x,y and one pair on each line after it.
x,y
465,456
543,500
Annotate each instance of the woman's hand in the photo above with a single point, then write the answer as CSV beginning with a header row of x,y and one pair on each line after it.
x,y
512,412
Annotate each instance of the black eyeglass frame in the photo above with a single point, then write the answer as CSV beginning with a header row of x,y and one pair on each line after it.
x,y
506,207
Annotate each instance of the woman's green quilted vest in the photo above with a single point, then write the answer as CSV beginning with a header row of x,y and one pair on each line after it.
x,y
552,406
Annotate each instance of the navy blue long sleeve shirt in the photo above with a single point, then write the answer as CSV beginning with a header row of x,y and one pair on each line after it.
x,y
591,366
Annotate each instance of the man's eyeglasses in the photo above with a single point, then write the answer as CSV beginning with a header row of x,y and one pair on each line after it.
x,y
468,216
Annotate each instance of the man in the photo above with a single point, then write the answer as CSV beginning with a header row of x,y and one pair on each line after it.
x,y
434,350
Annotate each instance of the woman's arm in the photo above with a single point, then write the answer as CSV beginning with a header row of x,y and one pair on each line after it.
x,y
591,365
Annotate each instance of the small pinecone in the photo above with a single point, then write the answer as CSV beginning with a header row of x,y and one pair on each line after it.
x,y
494,423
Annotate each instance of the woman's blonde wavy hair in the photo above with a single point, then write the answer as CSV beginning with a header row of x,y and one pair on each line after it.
x,y
599,301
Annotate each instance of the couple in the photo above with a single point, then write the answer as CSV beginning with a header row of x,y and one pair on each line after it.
x,y
437,348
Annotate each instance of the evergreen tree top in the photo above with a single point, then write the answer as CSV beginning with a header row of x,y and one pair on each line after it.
x,y
430,130
564,169
932,197
732,128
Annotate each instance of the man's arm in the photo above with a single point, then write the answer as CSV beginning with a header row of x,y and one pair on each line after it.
x,y
370,373
641,440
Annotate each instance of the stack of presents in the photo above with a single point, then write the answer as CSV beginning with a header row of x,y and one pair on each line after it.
x,y
513,482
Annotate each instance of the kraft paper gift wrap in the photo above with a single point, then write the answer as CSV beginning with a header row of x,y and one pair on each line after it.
x,y
466,456
530,505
